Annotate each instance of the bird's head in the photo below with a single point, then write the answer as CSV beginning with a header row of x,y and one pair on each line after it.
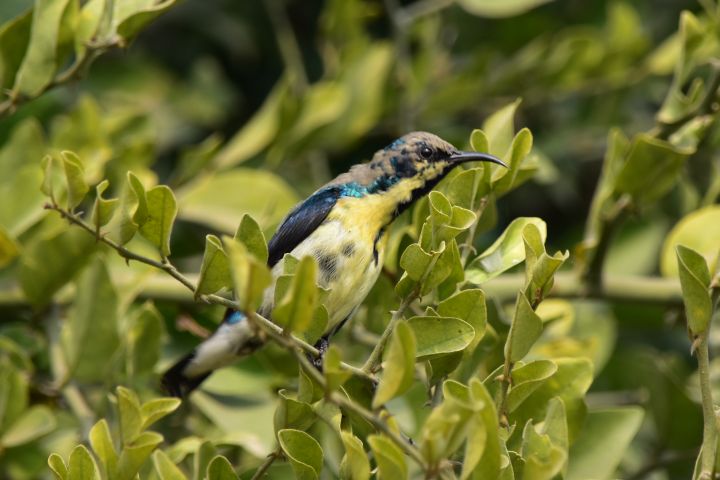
x,y
409,168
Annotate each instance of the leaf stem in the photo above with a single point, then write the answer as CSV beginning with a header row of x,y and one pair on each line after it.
x,y
709,444
375,358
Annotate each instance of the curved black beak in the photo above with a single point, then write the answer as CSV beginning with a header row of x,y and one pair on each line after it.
x,y
463,157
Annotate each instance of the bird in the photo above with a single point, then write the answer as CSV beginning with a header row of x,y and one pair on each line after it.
x,y
344,226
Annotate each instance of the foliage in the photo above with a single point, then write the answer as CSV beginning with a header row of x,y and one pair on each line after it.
x,y
482,352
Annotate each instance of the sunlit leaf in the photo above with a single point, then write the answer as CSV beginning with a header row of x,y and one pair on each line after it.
x,y
304,453
440,335
506,252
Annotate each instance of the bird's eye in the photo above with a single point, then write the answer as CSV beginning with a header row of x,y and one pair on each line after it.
x,y
426,152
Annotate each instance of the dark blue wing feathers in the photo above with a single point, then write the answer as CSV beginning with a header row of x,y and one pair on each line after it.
x,y
301,222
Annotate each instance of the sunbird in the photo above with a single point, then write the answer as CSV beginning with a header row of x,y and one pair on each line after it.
x,y
343,225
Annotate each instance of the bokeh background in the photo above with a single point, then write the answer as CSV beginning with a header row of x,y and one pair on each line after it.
x,y
247,107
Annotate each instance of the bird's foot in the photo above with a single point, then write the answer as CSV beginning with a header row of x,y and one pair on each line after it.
x,y
322,346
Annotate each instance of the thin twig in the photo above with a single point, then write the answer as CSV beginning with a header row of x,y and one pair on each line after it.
x,y
265,465
707,459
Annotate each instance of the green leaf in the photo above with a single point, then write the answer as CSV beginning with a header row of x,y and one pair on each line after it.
x,y
390,459
571,381
207,201
14,38
41,58
87,25
698,230
131,418
604,441
540,268
204,453
505,179
695,284
144,339
354,464
50,171
162,210
14,386
295,311
250,234
51,260
506,252
651,168
92,330
467,305
482,451
525,329
498,130
165,467
215,270
292,413
32,424
436,336
103,209
526,379
250,277
8,248
304,453
136,453
500,8
446,428
220,469
543,460
58,467
468,187
77,188
82,465
415,261
102,444
157,408
335,375
140,212
399,361
131,23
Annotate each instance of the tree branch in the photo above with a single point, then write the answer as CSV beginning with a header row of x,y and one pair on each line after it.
x,y
263,323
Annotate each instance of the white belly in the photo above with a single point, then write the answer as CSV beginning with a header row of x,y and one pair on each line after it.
x,y
347,267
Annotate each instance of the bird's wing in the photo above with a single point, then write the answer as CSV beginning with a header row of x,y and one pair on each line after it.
x,y
301,222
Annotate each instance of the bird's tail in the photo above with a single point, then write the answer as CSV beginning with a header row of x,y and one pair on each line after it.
x,y
233,339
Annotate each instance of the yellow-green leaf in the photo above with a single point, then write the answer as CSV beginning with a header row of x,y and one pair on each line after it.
x,y
399,364
162,210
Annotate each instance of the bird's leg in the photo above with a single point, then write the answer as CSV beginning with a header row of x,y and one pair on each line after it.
x,y
322,346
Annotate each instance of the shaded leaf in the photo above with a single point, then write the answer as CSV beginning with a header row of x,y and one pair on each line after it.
x,y
525,329
162,210
603,442
295,311
103,209
32,424
399,361
390,459
304,453
215,270
695,283
250,277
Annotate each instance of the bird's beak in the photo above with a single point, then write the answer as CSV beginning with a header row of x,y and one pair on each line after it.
x,y
463,157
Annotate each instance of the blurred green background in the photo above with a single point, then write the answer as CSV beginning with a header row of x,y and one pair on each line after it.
x,y
214,94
